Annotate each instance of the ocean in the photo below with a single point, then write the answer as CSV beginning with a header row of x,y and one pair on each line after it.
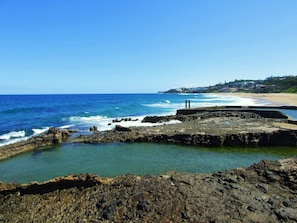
x,y
23,116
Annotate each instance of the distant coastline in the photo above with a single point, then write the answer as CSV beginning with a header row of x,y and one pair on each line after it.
x,y
280,84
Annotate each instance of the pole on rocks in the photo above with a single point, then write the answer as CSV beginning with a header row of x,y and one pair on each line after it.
x,y
187,104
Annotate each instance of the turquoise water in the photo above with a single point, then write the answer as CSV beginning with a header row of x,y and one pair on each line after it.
x,y
114,159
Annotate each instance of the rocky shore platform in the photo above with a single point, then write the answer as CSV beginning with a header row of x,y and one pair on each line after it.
x,y
214,127
264,192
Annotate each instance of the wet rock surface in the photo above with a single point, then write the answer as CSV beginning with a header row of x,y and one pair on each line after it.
x,y
264,192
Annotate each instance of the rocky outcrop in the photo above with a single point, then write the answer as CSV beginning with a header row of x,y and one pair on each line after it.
x,y
52,136
120,128
60,183
264,192
213,129
124,120
158,119
263,111
55,135
277,138
215,112
93,129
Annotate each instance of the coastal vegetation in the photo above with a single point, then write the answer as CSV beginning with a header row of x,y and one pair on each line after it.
x,y
273,84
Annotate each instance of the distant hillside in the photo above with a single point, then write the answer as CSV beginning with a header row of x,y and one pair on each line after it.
x,y
284,84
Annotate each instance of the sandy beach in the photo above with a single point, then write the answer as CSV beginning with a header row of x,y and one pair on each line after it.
x,y
278,99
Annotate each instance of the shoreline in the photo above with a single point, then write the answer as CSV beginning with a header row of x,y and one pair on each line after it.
x,y
217,126
278,99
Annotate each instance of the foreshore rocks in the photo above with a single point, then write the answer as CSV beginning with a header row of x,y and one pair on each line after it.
x,y
212,129
264,192
52,136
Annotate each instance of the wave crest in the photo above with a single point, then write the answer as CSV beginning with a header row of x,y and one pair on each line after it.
x,y
13,134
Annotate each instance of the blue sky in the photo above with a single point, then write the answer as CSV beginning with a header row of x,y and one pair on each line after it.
x,y
142,46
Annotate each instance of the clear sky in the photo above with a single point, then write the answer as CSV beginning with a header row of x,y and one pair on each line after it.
x,y
142,46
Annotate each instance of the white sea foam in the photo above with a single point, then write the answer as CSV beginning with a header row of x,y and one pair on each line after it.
x,y
18,136
13,134
12,137
39,131
88,119
104,123
140,123
207,100
162,105
65,126
100,121
235,100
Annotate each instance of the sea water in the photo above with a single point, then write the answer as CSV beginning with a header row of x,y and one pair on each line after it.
x,y
23,116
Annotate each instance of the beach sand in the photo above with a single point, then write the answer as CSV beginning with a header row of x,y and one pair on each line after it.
x,y
279,99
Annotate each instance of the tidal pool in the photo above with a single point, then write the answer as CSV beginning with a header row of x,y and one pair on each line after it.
x,y
114,159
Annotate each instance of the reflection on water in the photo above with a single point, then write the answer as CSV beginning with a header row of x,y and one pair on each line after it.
x,y
139,158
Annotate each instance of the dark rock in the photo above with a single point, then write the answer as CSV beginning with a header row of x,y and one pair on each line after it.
x,y
251,208
120,203
153,119
287,214
107,213
184,215
120,128
144,205
101,202
288,203
262,187
274,201
124,120
93,129
270,176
